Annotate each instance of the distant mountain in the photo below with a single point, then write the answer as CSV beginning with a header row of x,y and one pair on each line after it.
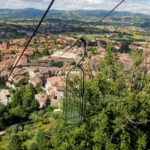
x,y
20,13
136,19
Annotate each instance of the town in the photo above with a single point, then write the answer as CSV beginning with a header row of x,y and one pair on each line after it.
x,y
46,62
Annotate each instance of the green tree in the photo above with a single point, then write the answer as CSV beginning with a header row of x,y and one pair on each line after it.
x,y
117,109
14,143
22,104
125,47
33,146
43,141
45,52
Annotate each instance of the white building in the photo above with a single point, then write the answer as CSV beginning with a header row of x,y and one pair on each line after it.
x,y
64,54
55,87
42,100
4,97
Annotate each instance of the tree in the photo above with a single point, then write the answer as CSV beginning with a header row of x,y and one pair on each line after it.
x,y
93,50
33,146
117,112
43,142
45,52
57,64
125,47
14,143
117,109
22,104
2,119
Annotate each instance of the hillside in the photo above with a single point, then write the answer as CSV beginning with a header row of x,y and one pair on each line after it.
x,y
136,19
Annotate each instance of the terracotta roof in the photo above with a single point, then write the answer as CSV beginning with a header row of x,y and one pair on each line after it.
x,y
60,88
35,80
52,80
41,97
17,79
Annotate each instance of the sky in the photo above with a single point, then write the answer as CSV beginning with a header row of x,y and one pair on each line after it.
x,y
140,6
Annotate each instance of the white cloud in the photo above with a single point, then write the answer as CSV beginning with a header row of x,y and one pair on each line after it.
x,y
76,4
135,6
95,1
142,6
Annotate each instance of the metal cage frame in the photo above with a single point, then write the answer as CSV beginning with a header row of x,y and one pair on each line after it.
x,y
74,106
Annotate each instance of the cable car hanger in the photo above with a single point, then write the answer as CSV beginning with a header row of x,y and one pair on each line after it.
x,y
74,102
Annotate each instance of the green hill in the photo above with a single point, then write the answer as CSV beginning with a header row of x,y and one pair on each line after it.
x,y
140,20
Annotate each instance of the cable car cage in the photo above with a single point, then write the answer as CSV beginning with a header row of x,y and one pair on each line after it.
x,y
74,104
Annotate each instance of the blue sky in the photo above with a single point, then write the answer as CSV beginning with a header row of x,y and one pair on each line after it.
x,y
141,6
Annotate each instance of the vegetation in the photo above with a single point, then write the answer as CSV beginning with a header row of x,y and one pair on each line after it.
x,y
136,19
117,113
2,85
125,47
56,64
93,50
36,54
21,106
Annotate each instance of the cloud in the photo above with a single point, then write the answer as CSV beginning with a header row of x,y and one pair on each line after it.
x,y
31,1
22,4
95,1
142,6
76,4
136,6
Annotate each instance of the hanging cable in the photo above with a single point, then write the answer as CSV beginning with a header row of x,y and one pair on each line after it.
x,y
109,13
49,7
